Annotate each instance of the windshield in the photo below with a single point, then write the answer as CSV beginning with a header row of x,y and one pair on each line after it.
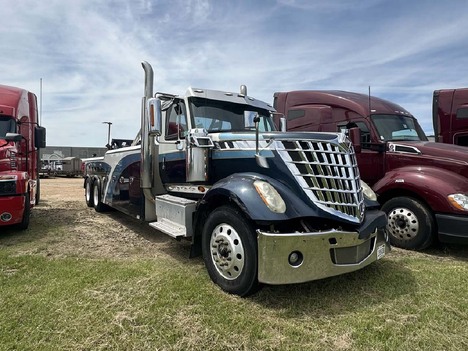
x,y
397,127
222,116
7,125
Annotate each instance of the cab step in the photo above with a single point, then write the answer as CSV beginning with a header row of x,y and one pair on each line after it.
x,y
175,215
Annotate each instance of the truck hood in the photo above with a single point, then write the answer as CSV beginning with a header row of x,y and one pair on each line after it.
x,y
426,153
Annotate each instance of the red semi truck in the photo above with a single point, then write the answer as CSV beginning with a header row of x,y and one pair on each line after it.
x,y
20,140
422,185
450,116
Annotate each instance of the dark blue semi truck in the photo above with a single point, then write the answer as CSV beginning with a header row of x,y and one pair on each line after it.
x,y
261,206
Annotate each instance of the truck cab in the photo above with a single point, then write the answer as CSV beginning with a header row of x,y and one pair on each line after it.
x,y
20,140
260,206
422,186
450,116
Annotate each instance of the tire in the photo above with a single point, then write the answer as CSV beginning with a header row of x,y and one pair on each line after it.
x,y
24,224
89,194
229,248
38,191
99,206
411,224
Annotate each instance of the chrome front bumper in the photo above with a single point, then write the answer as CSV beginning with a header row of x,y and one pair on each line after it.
x,y
319,255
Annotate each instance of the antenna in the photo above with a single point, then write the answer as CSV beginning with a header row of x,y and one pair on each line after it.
x,y
369,102
40,102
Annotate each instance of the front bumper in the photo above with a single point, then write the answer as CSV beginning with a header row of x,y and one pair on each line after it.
x,y
452,228
11,209
323,254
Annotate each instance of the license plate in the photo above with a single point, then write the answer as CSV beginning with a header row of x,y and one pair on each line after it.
x,y
380,251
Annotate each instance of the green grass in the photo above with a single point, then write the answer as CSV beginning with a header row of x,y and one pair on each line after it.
x,y
77,280
415,302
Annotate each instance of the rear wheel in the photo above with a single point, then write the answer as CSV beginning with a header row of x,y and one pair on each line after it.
x,y
229,249
99,206
411,224
89,192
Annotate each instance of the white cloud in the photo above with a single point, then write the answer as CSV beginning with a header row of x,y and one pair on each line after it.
x,y
89,53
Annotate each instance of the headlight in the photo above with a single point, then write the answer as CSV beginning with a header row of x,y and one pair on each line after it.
x,y
270,196
459,201
368,192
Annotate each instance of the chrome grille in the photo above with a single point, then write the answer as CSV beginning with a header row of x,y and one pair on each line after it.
x,y
327,171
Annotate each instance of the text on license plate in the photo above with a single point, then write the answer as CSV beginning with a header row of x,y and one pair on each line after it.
x,y
380,251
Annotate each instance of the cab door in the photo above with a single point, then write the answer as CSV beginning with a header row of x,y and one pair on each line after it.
x,y
172,153
371,159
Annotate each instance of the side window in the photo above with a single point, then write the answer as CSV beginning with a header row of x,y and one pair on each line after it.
x,y
365,133
7,125
176,121
293,114
462,113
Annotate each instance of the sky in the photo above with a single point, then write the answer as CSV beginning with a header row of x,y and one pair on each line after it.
x,y
86,54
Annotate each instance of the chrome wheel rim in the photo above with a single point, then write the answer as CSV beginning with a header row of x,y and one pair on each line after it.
x,y
403,224
96,194
227,251
88,192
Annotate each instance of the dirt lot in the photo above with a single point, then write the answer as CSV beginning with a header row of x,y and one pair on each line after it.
x,y
62,225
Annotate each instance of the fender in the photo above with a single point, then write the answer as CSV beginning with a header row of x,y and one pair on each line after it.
x,y
430,183
239,188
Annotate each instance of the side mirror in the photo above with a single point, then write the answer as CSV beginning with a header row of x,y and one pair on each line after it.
x,y
261,160
39,137
13,137
354,134
153,113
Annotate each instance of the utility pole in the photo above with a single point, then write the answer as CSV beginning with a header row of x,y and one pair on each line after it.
x,y
108,134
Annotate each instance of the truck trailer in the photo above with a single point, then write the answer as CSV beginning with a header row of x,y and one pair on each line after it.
x,y
20,140
68,167
261,206
450,116
422,185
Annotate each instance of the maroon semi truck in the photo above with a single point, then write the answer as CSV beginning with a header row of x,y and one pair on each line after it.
x,y
450,116
20,140
422,185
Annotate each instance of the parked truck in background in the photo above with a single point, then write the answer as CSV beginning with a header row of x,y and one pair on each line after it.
x,y
20,140
261,206
450,116
68,167
422,185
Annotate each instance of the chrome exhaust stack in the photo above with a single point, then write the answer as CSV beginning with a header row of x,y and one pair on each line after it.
x,y
150,181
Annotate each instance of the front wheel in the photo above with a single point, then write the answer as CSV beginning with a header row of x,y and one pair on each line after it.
x,y
24,224
38,191
229,249
411,224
